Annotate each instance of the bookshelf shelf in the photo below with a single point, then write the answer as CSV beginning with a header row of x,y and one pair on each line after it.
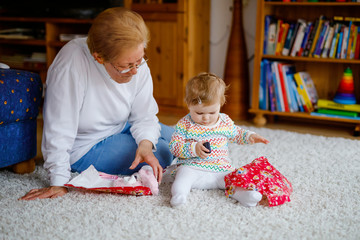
x,y
325,72
311,59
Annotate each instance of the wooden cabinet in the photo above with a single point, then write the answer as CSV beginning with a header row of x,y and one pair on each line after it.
x,y
178,48
325,72
44,40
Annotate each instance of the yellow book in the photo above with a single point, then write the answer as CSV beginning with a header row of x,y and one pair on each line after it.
x,y
282,38
323,103
306,89
318,30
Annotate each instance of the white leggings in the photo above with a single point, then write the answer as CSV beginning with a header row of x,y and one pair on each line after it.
x,y
188,178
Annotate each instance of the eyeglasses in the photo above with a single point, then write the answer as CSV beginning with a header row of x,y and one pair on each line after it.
x,y
145,59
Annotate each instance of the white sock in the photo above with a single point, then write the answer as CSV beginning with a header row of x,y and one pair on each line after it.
x,y
247,198
178,200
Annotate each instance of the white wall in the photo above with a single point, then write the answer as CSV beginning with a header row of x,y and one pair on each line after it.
x,y
220,28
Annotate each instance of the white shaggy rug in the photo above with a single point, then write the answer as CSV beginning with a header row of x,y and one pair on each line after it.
x,y
325,204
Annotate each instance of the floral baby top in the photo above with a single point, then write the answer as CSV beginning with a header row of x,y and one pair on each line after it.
x,y
188,133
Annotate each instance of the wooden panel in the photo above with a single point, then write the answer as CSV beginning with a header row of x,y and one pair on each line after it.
x,y
163,60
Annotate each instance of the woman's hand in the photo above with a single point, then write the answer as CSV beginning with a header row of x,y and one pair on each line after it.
x,y
201,150
255,138
49,192
144,153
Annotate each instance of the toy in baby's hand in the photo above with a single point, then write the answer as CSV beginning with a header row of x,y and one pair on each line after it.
x,y
207,145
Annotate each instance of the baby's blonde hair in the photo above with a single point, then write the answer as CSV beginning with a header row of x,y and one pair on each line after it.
x,y
115,31
205,88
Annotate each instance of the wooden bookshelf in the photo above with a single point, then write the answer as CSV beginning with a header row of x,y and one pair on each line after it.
x,y
49,43
325,72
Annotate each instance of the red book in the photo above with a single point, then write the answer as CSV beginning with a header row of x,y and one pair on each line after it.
x,y
357,48
283,87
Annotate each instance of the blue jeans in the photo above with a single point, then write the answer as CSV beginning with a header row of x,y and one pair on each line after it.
x,y
115,154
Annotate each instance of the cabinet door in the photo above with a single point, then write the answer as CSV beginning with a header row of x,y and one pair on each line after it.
x,y
164,59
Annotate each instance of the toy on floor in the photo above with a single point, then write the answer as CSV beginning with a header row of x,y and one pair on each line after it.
x,y
138,184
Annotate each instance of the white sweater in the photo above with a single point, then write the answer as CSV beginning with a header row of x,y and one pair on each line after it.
x,y
83,106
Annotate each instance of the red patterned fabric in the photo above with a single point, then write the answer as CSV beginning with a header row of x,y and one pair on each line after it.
x,y
135,191
261,176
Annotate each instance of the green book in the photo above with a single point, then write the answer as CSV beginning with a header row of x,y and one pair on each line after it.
x,y
337,112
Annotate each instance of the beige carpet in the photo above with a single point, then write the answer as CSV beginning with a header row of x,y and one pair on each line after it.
x,y
325,173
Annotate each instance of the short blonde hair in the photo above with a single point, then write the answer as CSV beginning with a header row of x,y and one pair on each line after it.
x,y
116,30
205,88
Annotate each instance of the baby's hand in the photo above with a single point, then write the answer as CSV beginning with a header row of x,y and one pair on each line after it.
x,y
254,138
201,150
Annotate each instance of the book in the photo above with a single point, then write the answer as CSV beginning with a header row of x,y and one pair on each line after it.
x,y
333,116
317,33
292,40
357,46
353,45
278,91
306,89
286,49
311,39
350,41
268,20
289,70
338,112
282,38
283,84
334,45
271,44
271,87
344,43
305,39
299,37
320,43
329,38
323,103
278,33
299,102
263,86
339,44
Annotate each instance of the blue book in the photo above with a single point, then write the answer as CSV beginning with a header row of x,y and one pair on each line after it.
x,y
262,87
268,20
338,49
271,87
278,93
286,49
320,43
308,29
290,71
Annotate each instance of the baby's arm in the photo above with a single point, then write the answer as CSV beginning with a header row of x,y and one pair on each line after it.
x,y
255,138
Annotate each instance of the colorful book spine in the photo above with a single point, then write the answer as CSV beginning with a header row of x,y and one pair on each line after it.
x,y
317,34
286,49
268,19
283,87
303,92
306,37
337,112
323,103
322,38
329,38
299,37
333,116
311,39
